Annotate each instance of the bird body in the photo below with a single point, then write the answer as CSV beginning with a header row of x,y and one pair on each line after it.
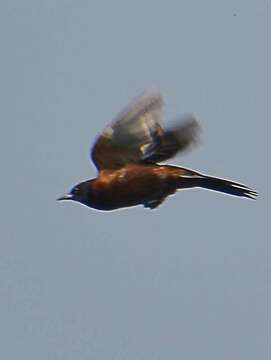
x,y
127,155
131,185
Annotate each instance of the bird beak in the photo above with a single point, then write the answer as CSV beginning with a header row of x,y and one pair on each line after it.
x,y
65,197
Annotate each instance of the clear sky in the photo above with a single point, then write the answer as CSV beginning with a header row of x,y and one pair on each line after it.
x,y
190,280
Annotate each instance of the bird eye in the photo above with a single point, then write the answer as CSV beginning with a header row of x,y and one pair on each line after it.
x,y
75,190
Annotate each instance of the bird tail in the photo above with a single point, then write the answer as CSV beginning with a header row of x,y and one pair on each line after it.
x,y
188,179
225,186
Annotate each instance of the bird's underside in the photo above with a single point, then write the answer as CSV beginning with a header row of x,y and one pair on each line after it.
x,y
127,155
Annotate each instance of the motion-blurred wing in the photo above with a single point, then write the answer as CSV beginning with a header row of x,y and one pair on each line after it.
x,y
123,141
137,136
173,140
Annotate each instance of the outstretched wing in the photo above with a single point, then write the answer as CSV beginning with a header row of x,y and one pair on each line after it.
x,y
178,138
137,136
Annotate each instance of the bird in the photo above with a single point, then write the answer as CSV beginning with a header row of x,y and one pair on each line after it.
x,y
128,156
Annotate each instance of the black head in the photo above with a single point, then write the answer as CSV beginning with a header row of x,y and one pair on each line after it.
x,y
80,192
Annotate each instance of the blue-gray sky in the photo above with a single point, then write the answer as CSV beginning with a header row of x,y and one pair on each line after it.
x,y
188,281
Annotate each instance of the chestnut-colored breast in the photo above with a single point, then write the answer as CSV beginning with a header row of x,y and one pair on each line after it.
x,y
128,186
134,185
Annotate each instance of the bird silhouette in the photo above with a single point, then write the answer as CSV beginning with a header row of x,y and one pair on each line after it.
x,y
127,155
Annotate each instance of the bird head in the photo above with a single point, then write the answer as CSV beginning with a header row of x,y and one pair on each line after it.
x,y
80,193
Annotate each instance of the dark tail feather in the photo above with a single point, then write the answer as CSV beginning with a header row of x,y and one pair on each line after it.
x,y
226,186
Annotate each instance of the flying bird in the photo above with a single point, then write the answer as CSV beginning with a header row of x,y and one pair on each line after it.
x,y
128,154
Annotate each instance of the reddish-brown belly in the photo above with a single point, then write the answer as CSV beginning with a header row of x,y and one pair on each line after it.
x,y
129,187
